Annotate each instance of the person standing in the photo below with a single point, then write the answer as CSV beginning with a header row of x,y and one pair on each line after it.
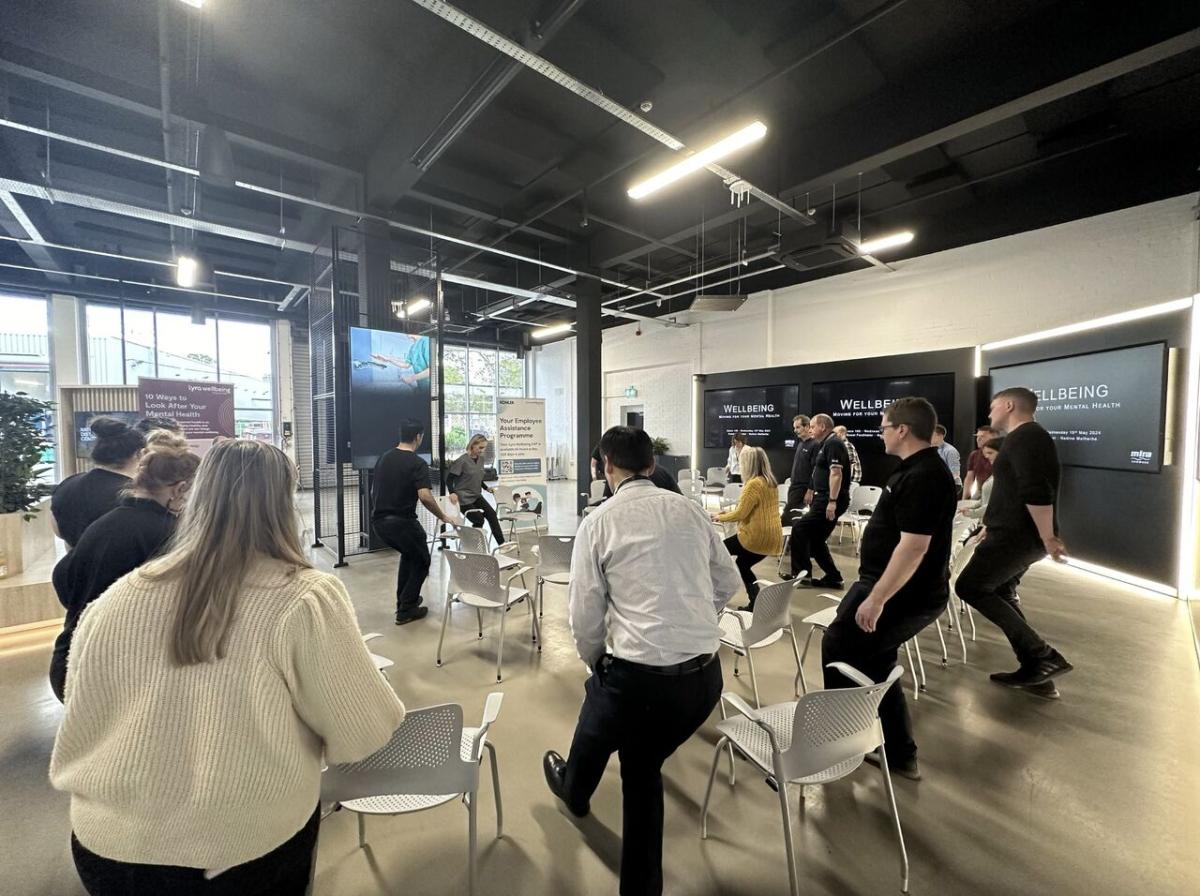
x,y
1020,527
989,452
949,455
401,480
80,500
903,575
855,463
801,476
119,542
733,462
758,534
979,467
204,693
464,480
649,573
828,501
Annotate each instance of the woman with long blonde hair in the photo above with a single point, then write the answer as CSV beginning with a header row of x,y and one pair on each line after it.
x,y
205,689
759,534
464,480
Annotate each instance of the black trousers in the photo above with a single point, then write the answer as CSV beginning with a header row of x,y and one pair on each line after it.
x,y
745,561
795,502
810,540
875,653
989,584
284,871
407,536
643,717
489,513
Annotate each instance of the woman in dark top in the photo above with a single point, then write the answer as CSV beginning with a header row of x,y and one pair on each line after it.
x,y
80,500
120,541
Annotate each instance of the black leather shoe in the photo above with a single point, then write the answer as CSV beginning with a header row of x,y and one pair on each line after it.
x,y
555,769
1035,672
827,582
412,615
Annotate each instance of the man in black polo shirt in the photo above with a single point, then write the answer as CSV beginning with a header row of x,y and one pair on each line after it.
x,y
401,480
828,499
801,477
903,575
1020,528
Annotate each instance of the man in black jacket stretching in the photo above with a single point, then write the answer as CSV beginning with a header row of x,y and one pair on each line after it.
x,y
1020,528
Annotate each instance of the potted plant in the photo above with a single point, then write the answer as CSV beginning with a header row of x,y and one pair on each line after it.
x,y
23,444
661,446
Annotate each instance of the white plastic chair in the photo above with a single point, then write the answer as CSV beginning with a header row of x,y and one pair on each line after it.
x,y
693,475
862,503
822,737
553,554
382,663
822,619
693,490
714,479
730,495
475,580
440,536
595,493
743,632
430,760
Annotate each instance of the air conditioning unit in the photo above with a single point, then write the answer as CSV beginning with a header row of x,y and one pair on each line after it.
x,y
718,302
806,251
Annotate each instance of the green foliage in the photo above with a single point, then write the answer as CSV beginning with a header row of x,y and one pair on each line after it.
x,y
456,440
512,373
22,445
661,445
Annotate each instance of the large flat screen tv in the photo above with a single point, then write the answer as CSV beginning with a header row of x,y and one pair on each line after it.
x,y
1104,409
389,381
858,405
762,413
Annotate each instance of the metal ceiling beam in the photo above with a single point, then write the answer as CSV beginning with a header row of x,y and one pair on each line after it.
x,y
498,220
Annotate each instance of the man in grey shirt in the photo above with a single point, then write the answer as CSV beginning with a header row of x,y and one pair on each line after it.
x,y
650,575
464,479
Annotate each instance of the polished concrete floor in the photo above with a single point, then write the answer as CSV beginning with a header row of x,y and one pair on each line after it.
x,y
1098,793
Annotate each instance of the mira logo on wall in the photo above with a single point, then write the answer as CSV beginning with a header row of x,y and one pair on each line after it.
x,y
1141,458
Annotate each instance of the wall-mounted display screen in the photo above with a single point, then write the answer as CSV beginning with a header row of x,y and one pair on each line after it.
x,y
85,438
1104,409
389,381
858,405
762,413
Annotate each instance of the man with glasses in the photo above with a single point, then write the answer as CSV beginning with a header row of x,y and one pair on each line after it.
x,y
903,576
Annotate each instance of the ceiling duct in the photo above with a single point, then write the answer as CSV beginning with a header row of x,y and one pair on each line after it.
x,y
718,302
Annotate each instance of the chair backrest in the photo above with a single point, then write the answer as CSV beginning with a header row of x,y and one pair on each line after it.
x,y
865,497
693,489
783,491
836,725
554,552
471,540
686,474
772,611
715,476
477,574
732,492
423,756
597,488
960,556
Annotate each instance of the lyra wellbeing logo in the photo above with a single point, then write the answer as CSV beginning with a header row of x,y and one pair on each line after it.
x,y
1140,457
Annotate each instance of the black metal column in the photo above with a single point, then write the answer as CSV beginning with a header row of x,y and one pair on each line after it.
x,y
588,386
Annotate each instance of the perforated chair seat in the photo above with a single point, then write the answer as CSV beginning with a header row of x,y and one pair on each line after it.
x,y
399,803
822,618
731,632
474,600
754,744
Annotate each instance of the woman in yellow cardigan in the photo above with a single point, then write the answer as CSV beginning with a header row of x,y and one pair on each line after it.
x,y
757,515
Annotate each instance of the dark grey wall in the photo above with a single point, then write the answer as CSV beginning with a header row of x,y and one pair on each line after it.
x,y
959,361
1121,519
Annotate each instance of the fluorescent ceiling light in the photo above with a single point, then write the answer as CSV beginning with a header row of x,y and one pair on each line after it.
x,y
187,271
698,160
195,4
414,306
891,241
1094,324
547,332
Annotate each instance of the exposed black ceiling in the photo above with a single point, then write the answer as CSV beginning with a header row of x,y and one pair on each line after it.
x,y
962,120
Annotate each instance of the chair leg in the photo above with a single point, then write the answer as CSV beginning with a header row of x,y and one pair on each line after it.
x,y
891,795
736,657
971,619
807,640
920,664
472,837
541,595
500,646
799,685
537,632
787,836
362,830
942,641
729,746
912,670
445,622
496,790
712,774
753,678
479,619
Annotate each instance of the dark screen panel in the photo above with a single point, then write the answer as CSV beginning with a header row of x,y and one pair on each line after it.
x,y
762,413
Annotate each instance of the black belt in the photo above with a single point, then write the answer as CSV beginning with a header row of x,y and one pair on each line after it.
x,y
695,664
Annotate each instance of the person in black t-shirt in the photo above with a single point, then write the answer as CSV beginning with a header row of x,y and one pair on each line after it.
x,y
903,573
830,496
401,480
120,541
1020,528
801,476
80,500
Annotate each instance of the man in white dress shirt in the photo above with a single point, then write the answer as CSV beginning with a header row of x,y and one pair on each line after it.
x,y
649,575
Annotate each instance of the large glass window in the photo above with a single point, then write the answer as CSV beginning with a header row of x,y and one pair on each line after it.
x,y
25,355
475,378
127,343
